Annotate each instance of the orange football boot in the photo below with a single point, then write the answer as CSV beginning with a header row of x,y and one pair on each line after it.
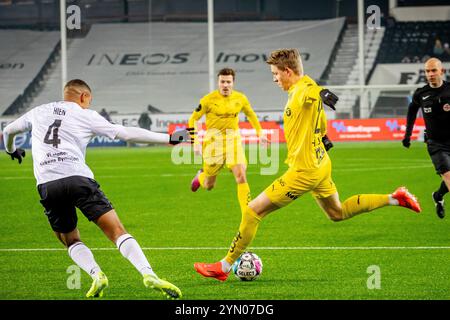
x,y
211,270
406,199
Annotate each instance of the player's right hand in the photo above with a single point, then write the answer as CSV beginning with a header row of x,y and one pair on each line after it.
x,y
18,154
406,142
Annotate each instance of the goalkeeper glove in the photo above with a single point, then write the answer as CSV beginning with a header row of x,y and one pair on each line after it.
x,y
18,154
329,98
183,135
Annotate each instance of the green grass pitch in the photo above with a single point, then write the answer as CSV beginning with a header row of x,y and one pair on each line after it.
x,y
305,255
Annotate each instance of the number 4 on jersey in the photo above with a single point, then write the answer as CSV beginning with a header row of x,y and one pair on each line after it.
x,y
54,140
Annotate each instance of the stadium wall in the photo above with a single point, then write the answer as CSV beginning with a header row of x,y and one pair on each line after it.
x,y
402,73
427,13
165,65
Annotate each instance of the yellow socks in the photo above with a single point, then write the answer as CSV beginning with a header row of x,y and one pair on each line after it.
x,y
247,231
363,203
244,197
201,179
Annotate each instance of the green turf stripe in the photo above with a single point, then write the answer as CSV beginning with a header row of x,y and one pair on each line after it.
x,y
253,248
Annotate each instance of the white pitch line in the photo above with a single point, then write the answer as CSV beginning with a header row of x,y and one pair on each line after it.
x,y
248,173
226,248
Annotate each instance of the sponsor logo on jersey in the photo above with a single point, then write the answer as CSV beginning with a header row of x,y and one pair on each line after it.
x,y
291,195
427,110
288,112
425,98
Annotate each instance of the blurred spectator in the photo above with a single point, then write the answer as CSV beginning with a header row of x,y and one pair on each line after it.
x,y
446,48
438,49
416,59
406,59
446,54
390,22
145,121
105,115
425,58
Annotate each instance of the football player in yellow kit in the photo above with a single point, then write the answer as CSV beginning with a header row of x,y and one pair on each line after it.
x,y
309,164
222,142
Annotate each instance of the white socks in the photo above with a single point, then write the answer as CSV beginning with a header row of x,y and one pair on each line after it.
x,y
392,201
131,250
127,246
84,258
226,267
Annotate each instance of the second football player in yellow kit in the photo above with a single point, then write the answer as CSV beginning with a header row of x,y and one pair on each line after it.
x,y
222,143
309,164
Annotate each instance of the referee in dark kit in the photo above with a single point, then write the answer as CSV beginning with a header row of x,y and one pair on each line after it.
x,y
434,100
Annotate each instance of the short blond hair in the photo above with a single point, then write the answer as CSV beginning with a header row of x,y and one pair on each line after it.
x,y
286,58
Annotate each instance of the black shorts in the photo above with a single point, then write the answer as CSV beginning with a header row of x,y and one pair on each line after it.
x,y
440,155
61,197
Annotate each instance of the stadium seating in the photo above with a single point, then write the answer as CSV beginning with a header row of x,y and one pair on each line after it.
x,y
343,69
413,41
23,54
391,104
133,65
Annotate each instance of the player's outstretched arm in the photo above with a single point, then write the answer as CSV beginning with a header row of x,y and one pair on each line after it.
x,y
183,135
139,135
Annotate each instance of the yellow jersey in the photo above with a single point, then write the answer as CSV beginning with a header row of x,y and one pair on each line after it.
x,y
304,122
222,113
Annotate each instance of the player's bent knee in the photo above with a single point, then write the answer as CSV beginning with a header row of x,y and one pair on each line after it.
x,y
241,179
209,184
335,218
335,215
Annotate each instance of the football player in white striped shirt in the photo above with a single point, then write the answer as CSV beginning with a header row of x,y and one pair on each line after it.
x,y
60,133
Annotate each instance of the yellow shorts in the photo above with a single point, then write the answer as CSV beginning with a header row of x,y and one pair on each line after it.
x,y
220,152
294,183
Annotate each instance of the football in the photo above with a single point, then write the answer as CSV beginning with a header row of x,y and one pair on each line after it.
x,y
247,267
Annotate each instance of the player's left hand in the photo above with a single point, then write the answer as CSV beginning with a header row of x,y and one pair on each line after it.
x,y
183,135
327,143
329,98
18,154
